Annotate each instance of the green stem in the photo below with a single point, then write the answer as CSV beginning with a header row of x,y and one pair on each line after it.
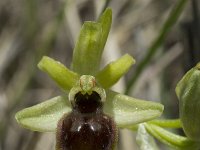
x,y
171,139
167,123
16,91
171,20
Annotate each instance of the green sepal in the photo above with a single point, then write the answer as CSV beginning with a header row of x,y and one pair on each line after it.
x,y
144,140
64,77
114,71
87,52
188,92
125,110
44,117
106,21
89,47
128,111
173,140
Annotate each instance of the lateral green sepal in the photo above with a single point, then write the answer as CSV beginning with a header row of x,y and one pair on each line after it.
x,y
44,117
128,111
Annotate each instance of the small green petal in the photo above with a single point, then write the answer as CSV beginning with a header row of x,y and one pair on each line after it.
x,y
114,71
144,140
128,111
64,77
44,117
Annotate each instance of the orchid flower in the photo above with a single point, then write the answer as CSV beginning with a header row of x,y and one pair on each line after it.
x,y
126,111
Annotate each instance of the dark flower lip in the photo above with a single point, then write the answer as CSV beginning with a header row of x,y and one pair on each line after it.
x,y
86,126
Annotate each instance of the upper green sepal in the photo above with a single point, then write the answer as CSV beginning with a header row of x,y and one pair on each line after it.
x,y
87,52
105,20
188,92
89,47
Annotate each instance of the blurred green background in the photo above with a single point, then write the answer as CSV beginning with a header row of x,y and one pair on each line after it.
x,y
30,29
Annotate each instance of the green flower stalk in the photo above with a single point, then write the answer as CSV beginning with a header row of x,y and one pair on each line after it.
x,y
188,91
86,81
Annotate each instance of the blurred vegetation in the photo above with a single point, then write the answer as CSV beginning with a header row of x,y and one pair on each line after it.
x,y
33,28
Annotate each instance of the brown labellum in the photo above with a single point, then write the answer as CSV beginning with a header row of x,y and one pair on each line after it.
x,y
86,127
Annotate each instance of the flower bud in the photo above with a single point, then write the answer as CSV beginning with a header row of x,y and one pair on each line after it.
x,y
188,92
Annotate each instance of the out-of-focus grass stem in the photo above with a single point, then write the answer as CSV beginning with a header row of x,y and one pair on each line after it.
x,y
23,77
171,20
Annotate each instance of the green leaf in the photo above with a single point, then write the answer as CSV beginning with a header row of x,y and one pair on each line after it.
x,y
64,77
144,140
188,92
44,117
114,71
128,111
171,139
